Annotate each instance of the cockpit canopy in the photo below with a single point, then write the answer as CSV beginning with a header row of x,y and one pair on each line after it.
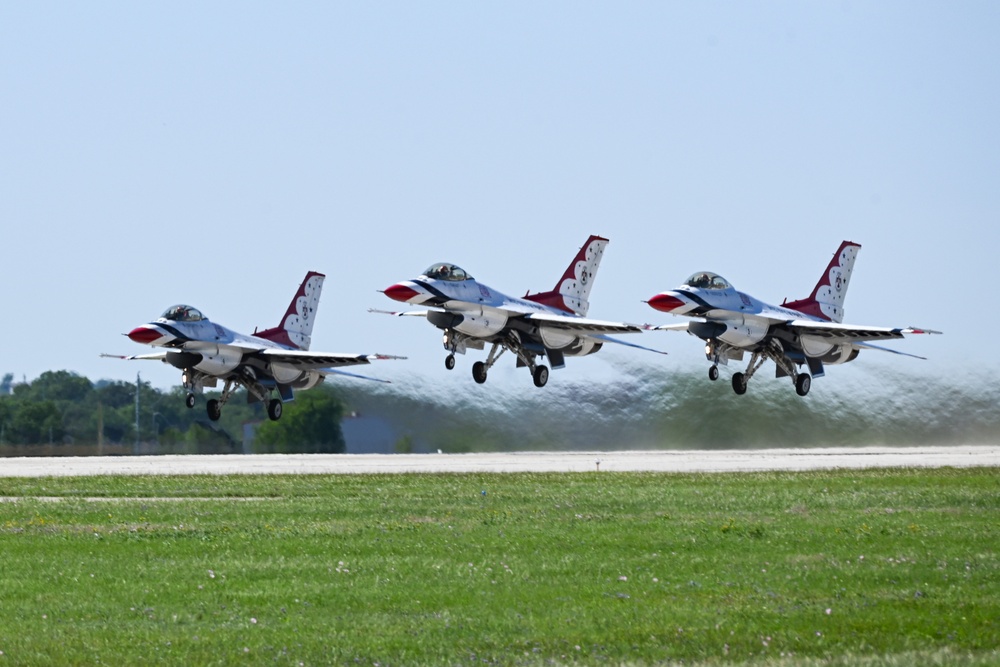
x,y
442,271
182,313
707,280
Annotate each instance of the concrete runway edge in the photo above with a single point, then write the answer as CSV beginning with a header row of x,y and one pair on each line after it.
x,y
959,456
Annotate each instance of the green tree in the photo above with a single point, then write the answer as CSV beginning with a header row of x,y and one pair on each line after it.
x,y
56,386
35,422
310,424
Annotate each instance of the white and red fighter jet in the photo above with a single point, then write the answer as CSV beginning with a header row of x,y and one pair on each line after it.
x,y
274,360
806,332
549,324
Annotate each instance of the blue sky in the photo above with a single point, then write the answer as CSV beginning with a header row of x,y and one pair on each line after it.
x,y
212,153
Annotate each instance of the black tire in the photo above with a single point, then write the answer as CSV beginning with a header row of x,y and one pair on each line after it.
x,y
540,375
214,409
189,400
479,372
802,384
449,361
739,383
713,373
274,409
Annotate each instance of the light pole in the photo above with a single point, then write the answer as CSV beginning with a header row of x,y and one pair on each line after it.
x,y
138,384
156,430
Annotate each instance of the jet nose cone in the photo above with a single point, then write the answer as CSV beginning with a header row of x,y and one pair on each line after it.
x,y
400,292
145,335
666,302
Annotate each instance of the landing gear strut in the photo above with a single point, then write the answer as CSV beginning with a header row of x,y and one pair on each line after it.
x,y
774,352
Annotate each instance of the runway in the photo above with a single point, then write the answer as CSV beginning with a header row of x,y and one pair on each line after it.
x,y
958,456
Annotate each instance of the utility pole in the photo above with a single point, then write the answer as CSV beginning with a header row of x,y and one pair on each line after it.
x,y
138,383
100,429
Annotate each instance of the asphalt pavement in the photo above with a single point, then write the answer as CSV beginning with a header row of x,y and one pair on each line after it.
x,y
959,456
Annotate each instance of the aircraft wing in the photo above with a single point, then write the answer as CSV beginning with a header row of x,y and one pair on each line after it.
x,y
401,313
319,361
681,326
581,325
156,356
849,333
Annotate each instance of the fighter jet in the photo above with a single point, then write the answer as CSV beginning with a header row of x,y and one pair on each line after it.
x,y
269,361
549,324
807,332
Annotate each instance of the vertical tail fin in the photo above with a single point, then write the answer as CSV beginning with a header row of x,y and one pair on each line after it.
x,y
296,326
572,292
827,298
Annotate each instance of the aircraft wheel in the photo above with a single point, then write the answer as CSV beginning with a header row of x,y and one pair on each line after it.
x,y
739,383
541,375
802,384
189,400
274,409
449,361
214,410
713,373
479,372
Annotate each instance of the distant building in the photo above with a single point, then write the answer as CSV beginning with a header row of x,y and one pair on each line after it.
x,y
362,435
368,435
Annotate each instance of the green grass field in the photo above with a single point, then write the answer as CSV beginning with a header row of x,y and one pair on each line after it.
x,y
827,568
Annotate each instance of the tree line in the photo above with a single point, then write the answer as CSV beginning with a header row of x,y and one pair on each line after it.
x,y
64,409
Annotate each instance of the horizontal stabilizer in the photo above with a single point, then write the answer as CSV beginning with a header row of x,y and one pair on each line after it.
x,y
609,339
335,371
869,346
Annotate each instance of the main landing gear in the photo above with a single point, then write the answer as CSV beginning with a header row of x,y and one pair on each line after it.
x,y
802,381
479,372
540,375
213,407
480,369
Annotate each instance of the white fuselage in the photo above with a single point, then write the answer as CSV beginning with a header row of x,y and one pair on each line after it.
x,y
483,312
748,321
215,350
